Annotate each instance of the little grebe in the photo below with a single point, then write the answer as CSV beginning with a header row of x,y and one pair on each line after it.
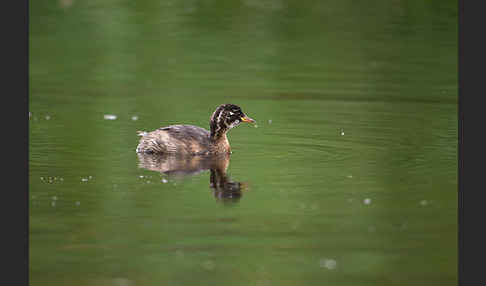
x,y
193,140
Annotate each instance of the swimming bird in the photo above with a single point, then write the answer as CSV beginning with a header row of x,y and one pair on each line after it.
x,y
194,140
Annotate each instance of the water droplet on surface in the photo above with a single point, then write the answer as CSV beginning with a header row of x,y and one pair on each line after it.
x,y
404,226
256,125
65,4
270,121
109,117
295,225
172,60
208,265
53,203
342,132
134,118
141,176
120,281
179,254
84,179
349,176
54,198
367,201
48,117
424,203
263,282
78,203
328,263
164,181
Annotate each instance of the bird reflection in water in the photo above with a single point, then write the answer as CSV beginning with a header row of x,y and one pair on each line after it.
x,y
223,188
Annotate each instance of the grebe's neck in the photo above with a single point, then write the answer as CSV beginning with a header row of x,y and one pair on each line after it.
x,y
220,143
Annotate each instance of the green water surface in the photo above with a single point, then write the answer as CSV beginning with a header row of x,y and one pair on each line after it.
x,y
348,178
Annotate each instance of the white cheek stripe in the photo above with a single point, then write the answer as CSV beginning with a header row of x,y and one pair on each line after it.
x,y
234,124
217,121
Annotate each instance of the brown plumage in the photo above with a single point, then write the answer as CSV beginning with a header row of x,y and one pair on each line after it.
x,y
193,140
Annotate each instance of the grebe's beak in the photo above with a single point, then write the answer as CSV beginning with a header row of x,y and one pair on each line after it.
x,y
247,119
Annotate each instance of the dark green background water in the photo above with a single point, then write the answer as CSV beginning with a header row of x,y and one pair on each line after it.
x,y
351,173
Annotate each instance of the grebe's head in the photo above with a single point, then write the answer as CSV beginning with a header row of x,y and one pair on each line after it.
x,y
225,117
